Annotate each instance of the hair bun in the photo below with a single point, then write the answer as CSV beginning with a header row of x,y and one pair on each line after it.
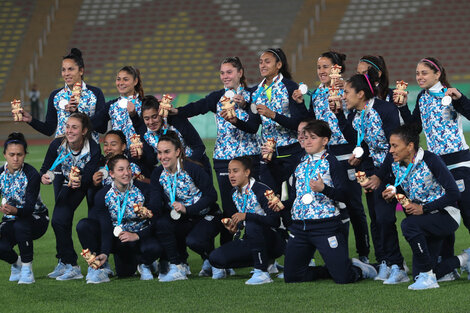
x,y
76,52
16,136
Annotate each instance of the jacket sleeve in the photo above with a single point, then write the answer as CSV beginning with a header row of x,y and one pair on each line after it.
x,y
90,167
445,178
202,106
385,169
202,181
271,218
51,156
462,106
101,118
411,118
157,196
338,174
297,111
190,135
50,125
31,194
251,125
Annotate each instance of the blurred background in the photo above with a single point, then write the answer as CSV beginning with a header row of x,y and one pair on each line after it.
x,y
178,45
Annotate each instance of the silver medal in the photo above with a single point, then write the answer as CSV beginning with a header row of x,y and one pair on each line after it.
x,y
392,189
446,101
307,198
175,214
62,104
253,108
122,103
4,201
303,89
104,171
358,152
51,175
229,94
117,231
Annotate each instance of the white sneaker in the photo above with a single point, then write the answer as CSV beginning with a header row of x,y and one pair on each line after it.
x,y
424,281
454,275
71,272
384,272
397,276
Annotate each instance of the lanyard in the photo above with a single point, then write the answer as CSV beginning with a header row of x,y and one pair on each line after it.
x,y
411,166
173,184
361,133
122,208
307,175
440,94
261,90
245,198
61,158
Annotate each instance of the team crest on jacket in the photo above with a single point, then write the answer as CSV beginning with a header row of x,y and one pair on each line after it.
x,y
333,242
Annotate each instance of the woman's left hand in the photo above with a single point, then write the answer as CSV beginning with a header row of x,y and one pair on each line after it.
x,y
317,185
238,217
265,111
76,183
131,108
126,236
179,207
9,209
238,99
414,209
453,93
224,115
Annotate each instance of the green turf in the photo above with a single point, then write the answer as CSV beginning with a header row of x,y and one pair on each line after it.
x,y
205,295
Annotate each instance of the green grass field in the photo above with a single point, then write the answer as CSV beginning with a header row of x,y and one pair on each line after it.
x,y
205,295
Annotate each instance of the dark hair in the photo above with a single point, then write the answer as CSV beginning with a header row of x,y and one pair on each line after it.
x,y
86,123
173,138
15,138
112,161
280,56
150,102
246,162
136,75
237,63
409,133
378,63
319,128
336,58
361,82
118,133
432,63
307,119
76,55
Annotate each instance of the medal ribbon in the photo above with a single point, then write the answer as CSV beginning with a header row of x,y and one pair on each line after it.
x,y
173,183
261,90
411,166
361,133
440,94
61,158
307,174
122,208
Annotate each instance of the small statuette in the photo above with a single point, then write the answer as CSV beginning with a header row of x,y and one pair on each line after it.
x,y
361,178
123,103
74,175
303,88
117,231
142,211
392,189
446,101
165,106
400,92
307,198
62,104
136,144
104,172
270,144
358,152
17,110
76,91
175,214
226,221
402,199
90,258
51,175
229,106
229,94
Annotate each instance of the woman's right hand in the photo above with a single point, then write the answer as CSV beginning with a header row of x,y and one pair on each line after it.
x,y
134,153
102,258
72,105
45,179
224,115
173,111
27,117
388,195
297,96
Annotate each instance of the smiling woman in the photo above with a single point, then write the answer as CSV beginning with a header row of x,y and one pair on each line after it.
x,y
75,96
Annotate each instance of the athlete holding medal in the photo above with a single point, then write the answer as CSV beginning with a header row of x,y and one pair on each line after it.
x,y
78,150
183,198
114,227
